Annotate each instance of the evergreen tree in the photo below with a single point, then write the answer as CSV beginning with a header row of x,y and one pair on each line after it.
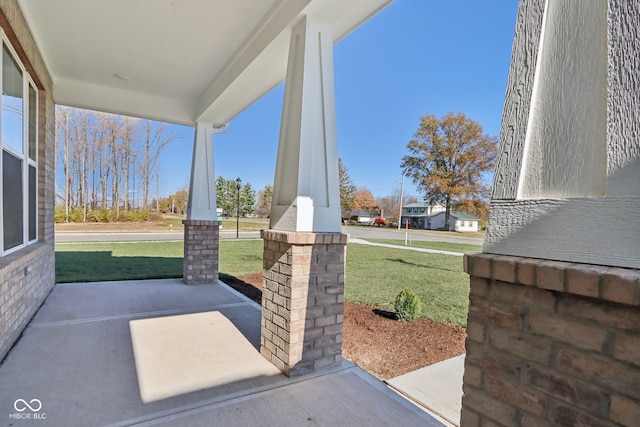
x,y
348,189
247,199
226,195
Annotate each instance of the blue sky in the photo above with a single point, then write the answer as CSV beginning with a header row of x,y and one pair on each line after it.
x,y
416,57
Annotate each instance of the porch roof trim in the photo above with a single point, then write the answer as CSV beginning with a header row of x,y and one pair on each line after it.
x,y
181,62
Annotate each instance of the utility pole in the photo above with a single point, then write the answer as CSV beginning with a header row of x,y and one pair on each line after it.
x,y
401,199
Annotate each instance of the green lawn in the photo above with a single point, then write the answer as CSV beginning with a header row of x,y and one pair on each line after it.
x,y
238,257
118,261
441,246
375,275
246,224
79,262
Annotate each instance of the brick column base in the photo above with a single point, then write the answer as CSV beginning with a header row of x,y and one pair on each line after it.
x,y
302,300
551,343
201,242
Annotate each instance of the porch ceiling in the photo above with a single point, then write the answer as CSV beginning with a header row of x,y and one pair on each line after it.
x,y
179,61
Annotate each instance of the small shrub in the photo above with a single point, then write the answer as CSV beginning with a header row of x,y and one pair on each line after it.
x,y
407,305
59,214
134,216
101,215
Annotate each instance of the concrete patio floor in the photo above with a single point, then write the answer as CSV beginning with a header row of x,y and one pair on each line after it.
x,y
75,366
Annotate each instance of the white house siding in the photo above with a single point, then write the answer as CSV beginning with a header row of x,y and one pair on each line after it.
x,y
28,274
418,214
436,208
436,222
466,225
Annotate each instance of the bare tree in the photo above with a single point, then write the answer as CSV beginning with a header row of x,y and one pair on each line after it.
x,y
111,126
154,141
80,152
101,159
62,119
128,153
390,204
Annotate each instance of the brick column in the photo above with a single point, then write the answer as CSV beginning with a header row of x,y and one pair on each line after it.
x,y
201,242
302,300
551,343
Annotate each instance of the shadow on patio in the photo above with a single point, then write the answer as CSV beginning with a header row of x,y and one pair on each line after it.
x,y
77,359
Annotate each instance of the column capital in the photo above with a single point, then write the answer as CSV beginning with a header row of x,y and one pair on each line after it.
x,y
201,222
304,237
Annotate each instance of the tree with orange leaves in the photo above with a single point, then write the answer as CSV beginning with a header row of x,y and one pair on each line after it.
x,y
364,200
447,159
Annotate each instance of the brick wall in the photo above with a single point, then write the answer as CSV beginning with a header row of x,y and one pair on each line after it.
x,y
25,281
302,300
201,245
551,343
28,275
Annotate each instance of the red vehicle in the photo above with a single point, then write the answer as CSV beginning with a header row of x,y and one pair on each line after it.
x,y
379,221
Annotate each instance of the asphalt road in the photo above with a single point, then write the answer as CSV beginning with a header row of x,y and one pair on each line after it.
x,y
360,232
373,232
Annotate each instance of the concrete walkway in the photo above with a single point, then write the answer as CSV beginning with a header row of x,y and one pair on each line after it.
x,y
408,248
75,366
437,387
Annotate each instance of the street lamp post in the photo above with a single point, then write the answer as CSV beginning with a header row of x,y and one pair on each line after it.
x,y
238,182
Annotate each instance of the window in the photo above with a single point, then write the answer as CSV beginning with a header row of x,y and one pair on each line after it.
x,y
19,143
12,191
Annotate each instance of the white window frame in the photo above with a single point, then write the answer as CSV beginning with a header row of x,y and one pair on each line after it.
x,y
27,82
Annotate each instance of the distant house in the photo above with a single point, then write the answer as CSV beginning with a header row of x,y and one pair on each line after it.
x,y
417,214
363,216
431,217
458,221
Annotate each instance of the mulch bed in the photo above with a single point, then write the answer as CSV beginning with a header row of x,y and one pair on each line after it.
x,y
375,341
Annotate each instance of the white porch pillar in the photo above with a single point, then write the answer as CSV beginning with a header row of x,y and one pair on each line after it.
x,y
304,252
202,188
306,193
566,183
552,331
201,228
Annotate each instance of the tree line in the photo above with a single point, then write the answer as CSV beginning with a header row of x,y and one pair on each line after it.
x,y
110,167
106,160
226,199
353,198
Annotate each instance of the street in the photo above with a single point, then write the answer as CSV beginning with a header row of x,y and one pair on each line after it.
x,y
373,232
359,232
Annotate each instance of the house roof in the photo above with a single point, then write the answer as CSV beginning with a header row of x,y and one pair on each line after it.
x,y
183,61
419,205
463,216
